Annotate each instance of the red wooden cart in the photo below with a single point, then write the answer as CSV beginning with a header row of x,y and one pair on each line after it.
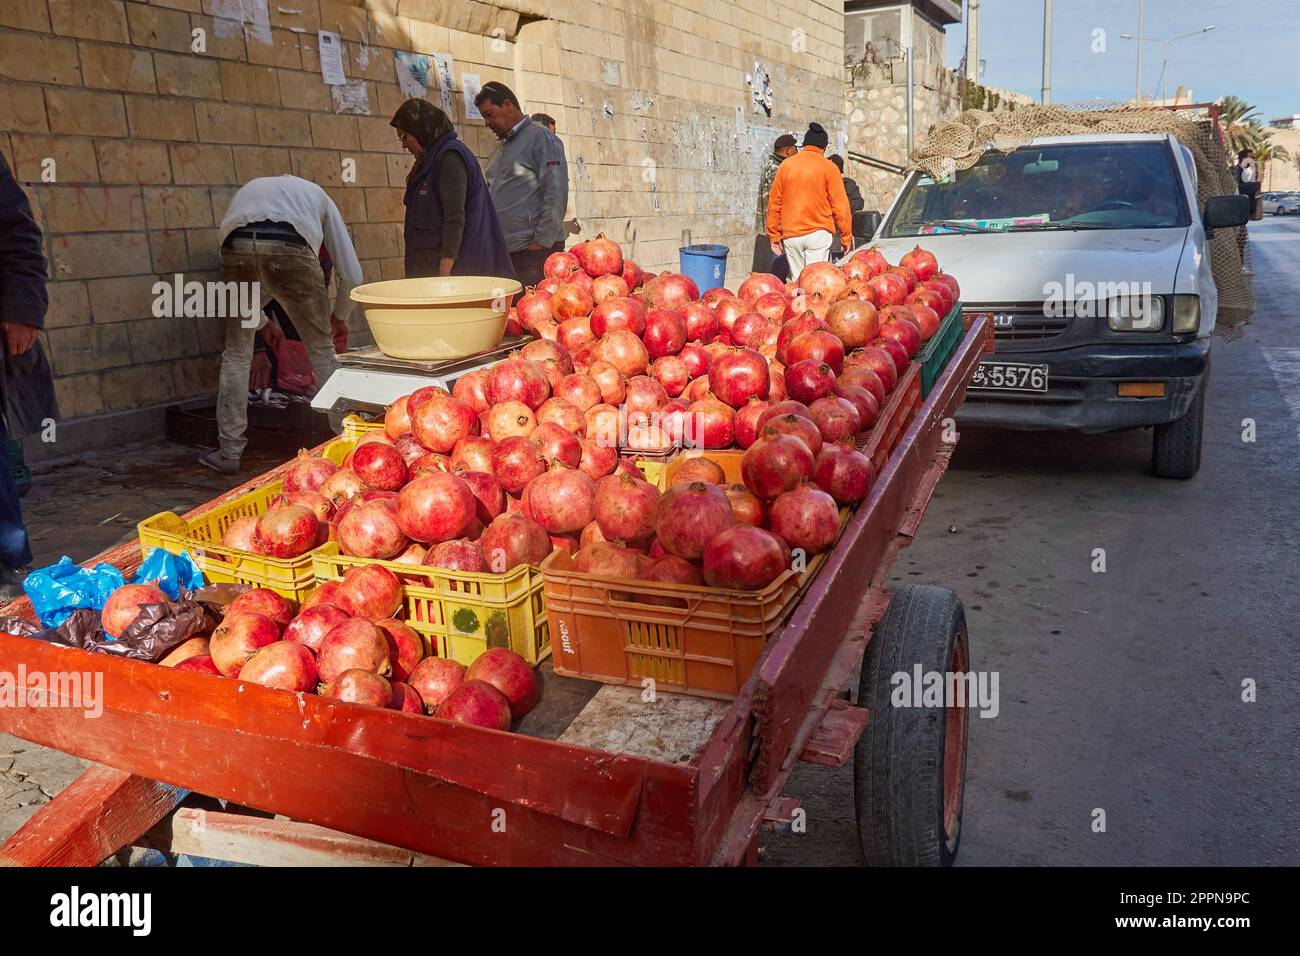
x,y
597,774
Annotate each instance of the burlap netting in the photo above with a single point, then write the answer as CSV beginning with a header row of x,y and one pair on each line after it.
x,y
958,143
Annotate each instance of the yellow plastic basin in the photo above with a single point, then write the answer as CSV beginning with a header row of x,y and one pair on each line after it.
x,y
437,318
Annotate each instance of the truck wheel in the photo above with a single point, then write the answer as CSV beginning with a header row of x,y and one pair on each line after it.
x,y
909,768
1176,450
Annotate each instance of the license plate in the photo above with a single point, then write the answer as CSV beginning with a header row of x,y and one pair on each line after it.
x,y
1008,377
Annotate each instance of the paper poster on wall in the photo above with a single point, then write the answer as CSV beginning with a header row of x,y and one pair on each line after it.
x,y
842,141
251,18
444,67
331,58
413,73
351,97
470,84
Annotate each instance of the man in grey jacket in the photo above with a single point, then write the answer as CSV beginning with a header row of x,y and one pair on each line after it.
x,y
528,180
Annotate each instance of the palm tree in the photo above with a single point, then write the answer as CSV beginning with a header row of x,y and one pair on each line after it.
x,y
1265,152
1240,122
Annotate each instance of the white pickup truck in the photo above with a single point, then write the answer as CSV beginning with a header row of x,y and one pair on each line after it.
x,y
1089,254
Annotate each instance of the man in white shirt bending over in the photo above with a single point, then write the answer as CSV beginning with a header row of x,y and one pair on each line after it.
x,y
272,234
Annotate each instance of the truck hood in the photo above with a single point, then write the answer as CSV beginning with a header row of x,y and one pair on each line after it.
x,y
1021,266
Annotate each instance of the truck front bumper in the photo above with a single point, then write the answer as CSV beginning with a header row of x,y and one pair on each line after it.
x,y
1081,388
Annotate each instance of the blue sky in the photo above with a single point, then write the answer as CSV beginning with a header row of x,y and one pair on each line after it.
x,y
1254,50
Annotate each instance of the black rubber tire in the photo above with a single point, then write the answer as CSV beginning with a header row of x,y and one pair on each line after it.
x,y
1176,447
898,765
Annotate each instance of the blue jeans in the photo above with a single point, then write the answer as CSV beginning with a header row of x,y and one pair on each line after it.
x,y
15,552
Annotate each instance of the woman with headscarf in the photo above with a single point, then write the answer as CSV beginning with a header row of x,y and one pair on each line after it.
x,y
451,225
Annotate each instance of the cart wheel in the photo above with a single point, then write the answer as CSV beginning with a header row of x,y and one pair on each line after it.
x,y
909,768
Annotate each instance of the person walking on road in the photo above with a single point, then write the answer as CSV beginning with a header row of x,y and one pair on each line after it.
x,y
1247,172
271,235
451,227
784,147
808,207
529,181
27,402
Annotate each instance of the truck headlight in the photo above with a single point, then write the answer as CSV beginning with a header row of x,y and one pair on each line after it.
x,y
1136,313
1187,313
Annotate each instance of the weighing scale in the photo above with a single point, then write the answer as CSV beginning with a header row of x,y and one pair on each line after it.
x,y
369,381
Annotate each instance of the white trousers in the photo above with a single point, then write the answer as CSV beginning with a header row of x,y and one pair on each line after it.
x,y
801,250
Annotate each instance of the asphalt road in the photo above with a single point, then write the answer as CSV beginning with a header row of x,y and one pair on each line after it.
x,y
1123,690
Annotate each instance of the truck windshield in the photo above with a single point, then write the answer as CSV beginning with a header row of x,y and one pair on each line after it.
x,y
1034,188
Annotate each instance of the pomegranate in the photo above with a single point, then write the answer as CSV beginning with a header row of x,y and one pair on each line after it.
x,y
873,260
878,361
284,665
696,360
671,373
669,290
701,323
854,321
625,351
900,329
560,265
533,309
887,288
928,297
608,287
776,376
618,313
843,473
509,673
609,380
836,418
563,499
644,432
604,424
795,328
687,516
436,506
921,262
632,274
510,420
427,464
819,346
238,637
517,380
801,427
490,497
434,678
644,394
476,703
601,257
266,602
746,506
414,554
808,380
863,401
598,459
775,464
571,299
371,592
313,623
544,351
422,395
358,685
371,530
201,664
608,559
670,569
574,334
548,286
773,306
940,288
757,285
906,274
580,391
381,466
405,698
896,351
805,303
558,443
407,447
513,539
328,592
354,643
738,375
745,422
307,472
824,279
728,311
624,507
194,647
806,517
516,462
460,554
341,486
125,604
697,390
397,421
927,320
240,533
286,531
709,424
438,424
471,388
743,558
665,332
405,646
472,453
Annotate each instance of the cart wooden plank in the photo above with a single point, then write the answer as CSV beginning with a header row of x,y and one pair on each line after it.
x,y
92,818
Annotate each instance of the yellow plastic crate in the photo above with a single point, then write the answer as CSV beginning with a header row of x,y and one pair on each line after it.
x,y
461,614
354,427
293,578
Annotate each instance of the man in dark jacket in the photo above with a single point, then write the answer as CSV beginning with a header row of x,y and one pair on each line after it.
x,y
27,385
856,202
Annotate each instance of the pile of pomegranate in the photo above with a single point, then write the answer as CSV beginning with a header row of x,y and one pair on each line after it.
x,y
345,642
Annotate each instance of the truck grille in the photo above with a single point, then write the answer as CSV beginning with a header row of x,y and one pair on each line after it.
x,y
1020,321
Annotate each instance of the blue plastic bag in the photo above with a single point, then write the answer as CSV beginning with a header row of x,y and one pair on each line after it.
x,y
58,590
62,588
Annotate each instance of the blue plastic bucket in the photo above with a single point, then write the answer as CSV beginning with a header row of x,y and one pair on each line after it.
x,y
706,265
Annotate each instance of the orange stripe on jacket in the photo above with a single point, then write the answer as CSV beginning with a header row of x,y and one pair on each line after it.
x,y
807,195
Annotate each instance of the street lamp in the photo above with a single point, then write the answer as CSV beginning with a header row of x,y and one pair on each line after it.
x,y
1164,65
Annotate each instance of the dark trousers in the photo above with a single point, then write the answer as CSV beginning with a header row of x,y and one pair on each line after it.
x,y
528,263
15,552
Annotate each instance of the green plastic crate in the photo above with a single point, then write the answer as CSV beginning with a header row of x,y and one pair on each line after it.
x,y
934,357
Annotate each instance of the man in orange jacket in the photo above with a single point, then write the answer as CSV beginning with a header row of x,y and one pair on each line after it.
x,y
806,204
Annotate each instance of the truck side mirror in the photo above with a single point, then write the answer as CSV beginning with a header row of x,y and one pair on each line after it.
x,y
1225,212
865,224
